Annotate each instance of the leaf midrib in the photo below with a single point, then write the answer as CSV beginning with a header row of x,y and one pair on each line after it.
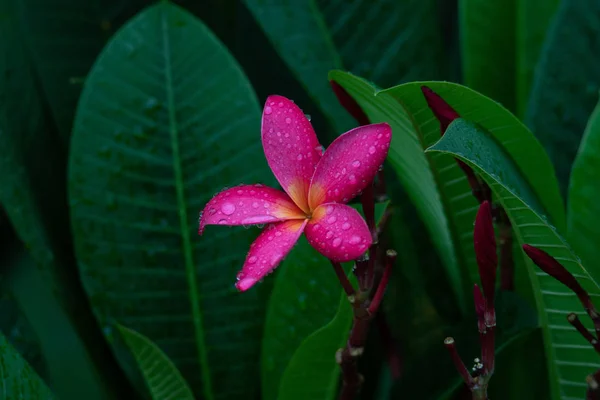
x,y
183,217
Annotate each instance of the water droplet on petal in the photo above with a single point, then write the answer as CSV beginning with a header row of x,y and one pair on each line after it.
x,y
252,260
329,235
329,210
355,239
356,163
288,120
307,117
299,158
331,219
352,178
372,150
268,110
336,242
222,221
255,205
227,209
212,211
346,226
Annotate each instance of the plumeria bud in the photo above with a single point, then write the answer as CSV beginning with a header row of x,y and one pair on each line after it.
x,y
549,265
442,110
349,104
484,240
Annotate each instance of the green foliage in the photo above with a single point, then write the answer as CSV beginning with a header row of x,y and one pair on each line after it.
x,y
162,377
531,225
154,129
565,88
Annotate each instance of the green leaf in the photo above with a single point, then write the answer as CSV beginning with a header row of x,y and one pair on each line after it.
x,y
162,377
33,190
167,119
478,148
566,84
383,42
64,37
17,379
313,372
584,193
501,43
488,36
304,299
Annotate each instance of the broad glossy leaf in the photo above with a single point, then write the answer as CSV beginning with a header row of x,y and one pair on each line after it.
x,y
584,197
19,381
569,358
566,83
166,120
162,377
381,41
33,190
501,42
313,372
304,299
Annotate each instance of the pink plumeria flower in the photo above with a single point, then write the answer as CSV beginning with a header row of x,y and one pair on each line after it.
x,y
317,185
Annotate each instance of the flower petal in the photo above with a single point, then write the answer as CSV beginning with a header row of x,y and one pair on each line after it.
x,y
267,251
247,205
291,147
349,164
338,232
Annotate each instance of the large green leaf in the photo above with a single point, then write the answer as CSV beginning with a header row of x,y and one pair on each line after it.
x,y
583,205
501,42
162,377
569,358
304,299
382,41
166,119
17,380
313,372
33,190
565,88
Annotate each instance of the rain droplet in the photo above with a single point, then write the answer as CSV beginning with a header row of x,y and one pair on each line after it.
x,y
222,221
329,235
240,192
336,242
255,205
212,211
355,239
307,117
346,226
268,110
329,210
299,157
372,150
288,120
352,178
227,209
252,260
356,163
331,219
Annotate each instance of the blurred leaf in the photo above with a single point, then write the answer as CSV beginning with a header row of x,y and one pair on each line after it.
x,y
584,196
567,368
19,381
33,190
166,119
304,299
313,372
501,42
162,377
382,41
488,37
64,37
566,83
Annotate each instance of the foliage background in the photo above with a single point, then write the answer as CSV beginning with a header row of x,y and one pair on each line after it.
x,y
91,234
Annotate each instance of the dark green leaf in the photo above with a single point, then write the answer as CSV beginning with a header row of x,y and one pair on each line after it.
x,y
567,367
33,190
387,42
167,119
584,198
162,377
566,83
19,381
313,372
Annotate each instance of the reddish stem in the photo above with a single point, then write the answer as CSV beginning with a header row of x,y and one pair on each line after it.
x,y
577,324
458,362
348,288
387,272
391,351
